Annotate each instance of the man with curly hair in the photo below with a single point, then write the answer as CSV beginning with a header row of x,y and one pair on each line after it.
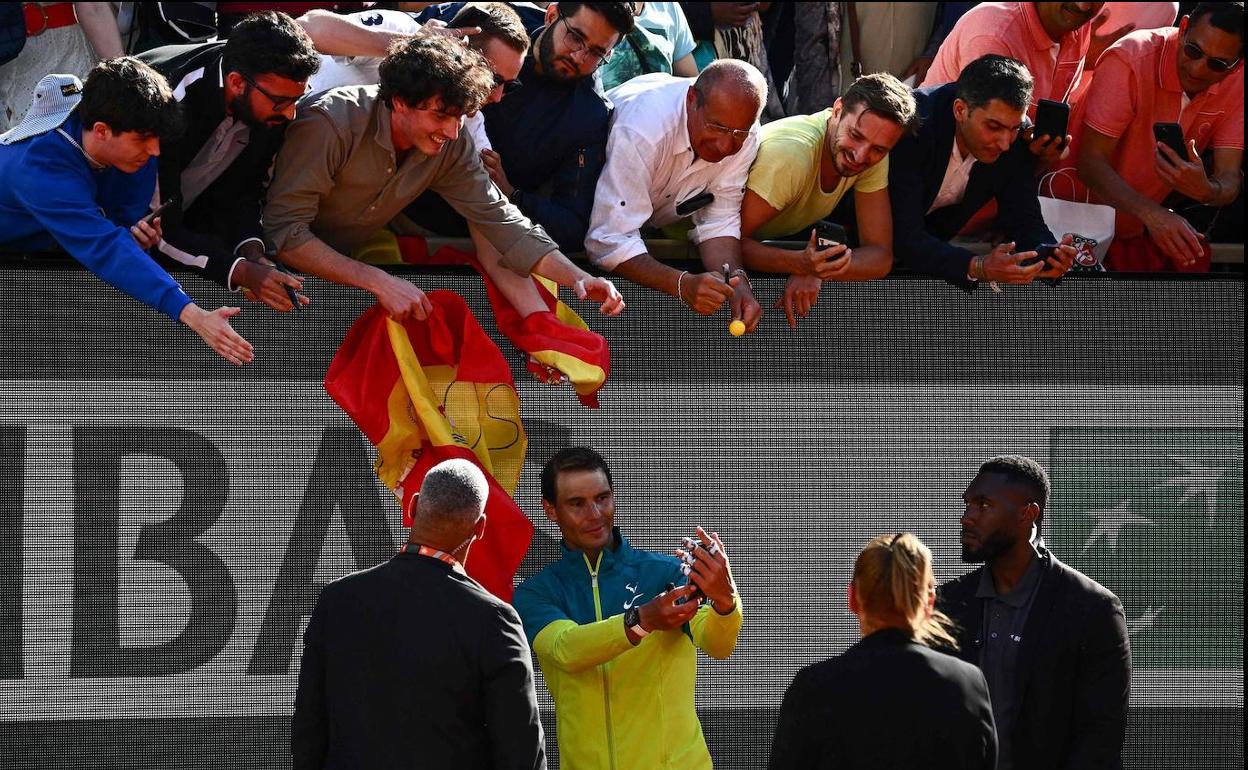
x,y
357,155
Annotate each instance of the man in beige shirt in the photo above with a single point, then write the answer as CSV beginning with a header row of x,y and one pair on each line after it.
x,y
357,155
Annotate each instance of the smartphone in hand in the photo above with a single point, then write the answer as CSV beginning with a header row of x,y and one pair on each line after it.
x,y
1171,135
828,234
1043,252
1052,118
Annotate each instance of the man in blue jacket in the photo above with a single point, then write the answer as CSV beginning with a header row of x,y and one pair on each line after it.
x,y
85,180
966,153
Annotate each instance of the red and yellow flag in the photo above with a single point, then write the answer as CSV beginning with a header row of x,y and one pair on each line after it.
x,y
558,344
428,391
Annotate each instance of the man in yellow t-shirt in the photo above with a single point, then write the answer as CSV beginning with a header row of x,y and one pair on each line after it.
x,y
805,165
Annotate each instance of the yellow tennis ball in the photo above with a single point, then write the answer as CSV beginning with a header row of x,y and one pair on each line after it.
x,y
737,327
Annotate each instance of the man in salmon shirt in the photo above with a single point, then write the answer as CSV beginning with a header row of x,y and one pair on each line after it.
x,y
1050,39
1191,75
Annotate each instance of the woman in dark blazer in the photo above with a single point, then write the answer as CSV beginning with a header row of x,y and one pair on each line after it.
x,y
889,701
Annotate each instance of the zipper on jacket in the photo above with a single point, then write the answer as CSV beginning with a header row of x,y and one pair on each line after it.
x,y
602,670
580,169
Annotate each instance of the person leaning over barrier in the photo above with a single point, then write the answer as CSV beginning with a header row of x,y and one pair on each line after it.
x,y
805,165
357,155
966,153
613,634
237,97
681,148
889,700
1051,642
81,174
546,140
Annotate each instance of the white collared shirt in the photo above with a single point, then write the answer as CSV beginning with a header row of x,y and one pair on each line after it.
x,y
957,175
651,167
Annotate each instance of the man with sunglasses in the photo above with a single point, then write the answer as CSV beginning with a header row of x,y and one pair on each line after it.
x,y
547,138
1192,75
681,148
238,97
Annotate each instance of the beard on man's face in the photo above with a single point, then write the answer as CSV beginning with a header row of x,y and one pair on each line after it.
x,y
546,56
987,550
240,109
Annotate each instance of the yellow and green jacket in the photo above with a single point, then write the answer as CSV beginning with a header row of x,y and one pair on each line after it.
x,y
620,707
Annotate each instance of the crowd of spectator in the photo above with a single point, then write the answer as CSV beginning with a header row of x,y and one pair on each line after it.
x,y
271,141
255,146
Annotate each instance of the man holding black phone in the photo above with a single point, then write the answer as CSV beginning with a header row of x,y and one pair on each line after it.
x,y
617,630
967,153
806,164
681,148
1161,98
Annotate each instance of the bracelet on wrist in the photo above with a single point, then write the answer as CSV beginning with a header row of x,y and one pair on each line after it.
x,y
679,294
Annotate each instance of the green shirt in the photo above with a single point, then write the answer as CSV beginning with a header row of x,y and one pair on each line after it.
x,y
786,175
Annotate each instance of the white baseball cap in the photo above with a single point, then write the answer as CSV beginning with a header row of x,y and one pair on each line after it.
x,y
55,97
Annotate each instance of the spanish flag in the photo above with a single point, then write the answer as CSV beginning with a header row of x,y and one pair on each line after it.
x,y
428,391
557,343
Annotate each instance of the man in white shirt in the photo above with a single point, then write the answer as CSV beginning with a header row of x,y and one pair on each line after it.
x,y
681,147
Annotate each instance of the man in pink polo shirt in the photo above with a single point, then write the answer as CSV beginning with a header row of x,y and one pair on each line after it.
x,y
1191,75
1050,39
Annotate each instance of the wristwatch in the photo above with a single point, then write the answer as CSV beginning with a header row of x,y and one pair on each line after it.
x,y
632,621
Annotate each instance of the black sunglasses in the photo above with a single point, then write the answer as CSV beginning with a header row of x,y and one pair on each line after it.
x,y
1196,53
509,86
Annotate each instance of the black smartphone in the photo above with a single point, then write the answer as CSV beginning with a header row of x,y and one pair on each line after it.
x,y
699,201
1052,118
1043,252
828,234
1171,135
160,210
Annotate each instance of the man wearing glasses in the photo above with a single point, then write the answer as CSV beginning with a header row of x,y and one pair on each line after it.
x,y
681,148
237,97
1192,75
547,138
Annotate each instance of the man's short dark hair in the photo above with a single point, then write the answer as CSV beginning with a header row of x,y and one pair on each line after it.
x,y
576,458
420,68
995,77
270,43
497,21
1025,472
620,16
884,95
1228,17
127,95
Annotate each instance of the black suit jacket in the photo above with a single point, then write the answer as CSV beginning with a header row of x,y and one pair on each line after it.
x,y
916,167
411,665
887,702
1074,668
227,212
